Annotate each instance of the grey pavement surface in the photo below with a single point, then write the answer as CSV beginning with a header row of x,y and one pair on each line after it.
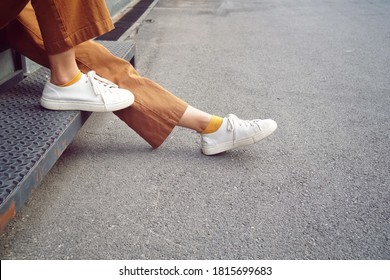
x,y
316,189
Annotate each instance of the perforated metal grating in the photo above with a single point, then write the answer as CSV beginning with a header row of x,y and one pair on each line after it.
x,y
27,130
31,137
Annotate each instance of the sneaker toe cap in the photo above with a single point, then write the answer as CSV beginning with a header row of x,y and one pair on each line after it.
x,y
268,124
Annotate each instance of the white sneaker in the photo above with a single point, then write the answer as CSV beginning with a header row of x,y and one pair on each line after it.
x,y
91,93
234,133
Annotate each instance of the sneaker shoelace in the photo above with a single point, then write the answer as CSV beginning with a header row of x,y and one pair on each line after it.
x,y
234,121
99,84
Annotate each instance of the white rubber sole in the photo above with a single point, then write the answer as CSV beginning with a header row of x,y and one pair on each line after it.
x,y
223,147
84,106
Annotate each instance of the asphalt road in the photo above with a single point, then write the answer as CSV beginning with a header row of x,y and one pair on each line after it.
x,y
316,189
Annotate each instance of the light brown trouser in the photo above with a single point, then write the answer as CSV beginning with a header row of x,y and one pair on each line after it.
x,y
155,111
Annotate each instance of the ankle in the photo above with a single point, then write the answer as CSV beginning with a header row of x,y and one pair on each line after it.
x,y
213,125
65,78
195,119
63,67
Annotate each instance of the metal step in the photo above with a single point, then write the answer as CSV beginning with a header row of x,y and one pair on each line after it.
x,y
33,138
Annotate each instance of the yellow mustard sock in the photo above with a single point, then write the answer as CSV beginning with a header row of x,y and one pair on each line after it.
x,y
214,124
75,79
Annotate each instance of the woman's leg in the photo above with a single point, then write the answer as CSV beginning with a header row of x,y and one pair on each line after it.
x,y
155,111
62,27
65,24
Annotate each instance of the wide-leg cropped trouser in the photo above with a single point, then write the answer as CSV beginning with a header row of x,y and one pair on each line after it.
x,y
155,111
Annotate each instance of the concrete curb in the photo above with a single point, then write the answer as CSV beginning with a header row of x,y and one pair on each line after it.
x,y
133,30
